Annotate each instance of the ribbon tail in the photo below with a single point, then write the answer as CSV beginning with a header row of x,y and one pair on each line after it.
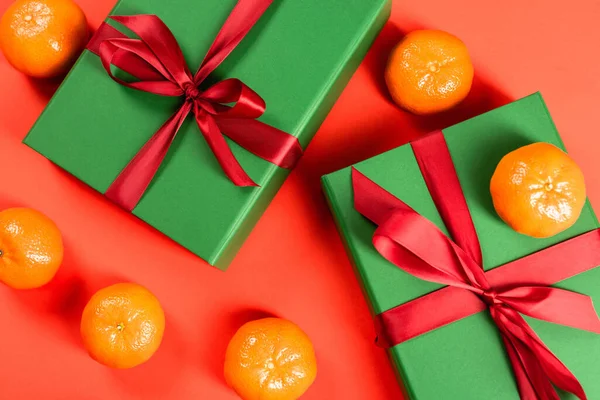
x,y
523,363
246,102
262,140
538,361
129,187
217,143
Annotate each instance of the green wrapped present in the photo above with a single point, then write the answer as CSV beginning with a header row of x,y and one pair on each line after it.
x,y
464,356
297,58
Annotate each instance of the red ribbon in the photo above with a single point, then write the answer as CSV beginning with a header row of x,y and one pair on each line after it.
x,y
156,60
417,246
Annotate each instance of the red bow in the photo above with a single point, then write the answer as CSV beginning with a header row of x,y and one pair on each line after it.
x,y
157,61
417,246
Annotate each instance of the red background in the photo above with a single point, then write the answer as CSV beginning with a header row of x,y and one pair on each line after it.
x,y
293,265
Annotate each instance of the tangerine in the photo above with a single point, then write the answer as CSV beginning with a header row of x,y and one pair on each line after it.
x,y
270,359
42,38
538,190
31,248
122,325
429,71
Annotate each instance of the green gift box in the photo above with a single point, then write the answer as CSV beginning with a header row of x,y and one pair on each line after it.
x,y
298,58
465,359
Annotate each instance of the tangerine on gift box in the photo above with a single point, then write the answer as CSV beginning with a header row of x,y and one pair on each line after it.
x,y
465,358
93,126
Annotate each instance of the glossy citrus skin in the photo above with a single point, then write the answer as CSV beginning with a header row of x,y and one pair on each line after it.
x,y
42,38
31,248
429,71
538,190
122,325
270,359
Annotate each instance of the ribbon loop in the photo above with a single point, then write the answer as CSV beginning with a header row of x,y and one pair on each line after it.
x,y
159,39
246,102
403,233
113,50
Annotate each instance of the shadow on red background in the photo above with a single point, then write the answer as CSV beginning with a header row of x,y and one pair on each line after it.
x,y
45,88
136,382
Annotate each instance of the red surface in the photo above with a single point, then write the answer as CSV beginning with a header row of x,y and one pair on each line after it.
x,y
293,265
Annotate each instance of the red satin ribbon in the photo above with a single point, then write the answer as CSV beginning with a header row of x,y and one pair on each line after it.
x,y
417,246
156,60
